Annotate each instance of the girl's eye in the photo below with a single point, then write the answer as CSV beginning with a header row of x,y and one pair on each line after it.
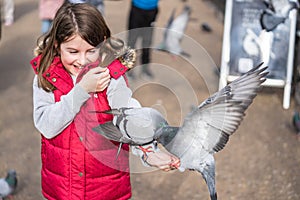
x,y
73,52
92,51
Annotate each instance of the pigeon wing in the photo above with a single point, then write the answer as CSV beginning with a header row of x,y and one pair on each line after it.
x,y
135,126
180,22
220,120
162,45
210,126
4,188
224,111
175,30
111,132
141,123
171,19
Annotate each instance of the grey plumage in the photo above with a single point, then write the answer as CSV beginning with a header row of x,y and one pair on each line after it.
x,y
206,130
134,126
174,33
8,184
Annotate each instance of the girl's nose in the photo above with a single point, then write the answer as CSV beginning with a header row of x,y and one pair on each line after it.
x,y
82,60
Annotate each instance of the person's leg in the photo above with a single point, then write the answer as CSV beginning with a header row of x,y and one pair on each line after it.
x,y
8,12
146,48
145,62
133,25
133,31
147,35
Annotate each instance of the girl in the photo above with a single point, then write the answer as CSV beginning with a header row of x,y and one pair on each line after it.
x,y
78,163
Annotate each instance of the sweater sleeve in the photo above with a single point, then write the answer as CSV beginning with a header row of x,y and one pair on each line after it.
x,y
50,117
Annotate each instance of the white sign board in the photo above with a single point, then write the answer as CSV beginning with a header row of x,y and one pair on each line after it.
x,y
255,32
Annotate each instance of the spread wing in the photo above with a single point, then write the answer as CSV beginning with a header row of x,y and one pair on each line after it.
x,y
224,111
210,126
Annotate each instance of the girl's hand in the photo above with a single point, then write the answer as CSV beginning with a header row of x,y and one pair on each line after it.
x,y
163,161
95,80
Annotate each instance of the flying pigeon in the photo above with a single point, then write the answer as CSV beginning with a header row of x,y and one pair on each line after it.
x,y
205,130
271,18
8,184
174,33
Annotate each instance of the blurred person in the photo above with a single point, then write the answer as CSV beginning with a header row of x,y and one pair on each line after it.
x,y
8,9
99,4
142,14
47,11
78,163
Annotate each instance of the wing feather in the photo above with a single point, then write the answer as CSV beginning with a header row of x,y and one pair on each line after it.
x,y
111,132
220,115
225,112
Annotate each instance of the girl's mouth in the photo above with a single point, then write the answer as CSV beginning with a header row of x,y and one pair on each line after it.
x,y
79,66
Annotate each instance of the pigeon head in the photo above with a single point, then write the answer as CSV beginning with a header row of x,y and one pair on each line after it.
x,y
11,178
187,9
165,134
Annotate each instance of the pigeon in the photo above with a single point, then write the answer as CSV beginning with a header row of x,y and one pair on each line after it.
x,y
206,129
271,18
8,184
174,33
296,121
206,27
134,126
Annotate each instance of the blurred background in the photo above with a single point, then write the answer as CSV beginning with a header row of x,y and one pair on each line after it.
x,y
261,160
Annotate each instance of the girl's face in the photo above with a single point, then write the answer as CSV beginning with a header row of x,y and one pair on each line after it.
x,y
76,52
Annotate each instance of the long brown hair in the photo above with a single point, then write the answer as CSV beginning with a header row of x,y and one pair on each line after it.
x,y
82,19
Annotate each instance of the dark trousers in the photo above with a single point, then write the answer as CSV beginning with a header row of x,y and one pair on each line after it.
x,y
139,18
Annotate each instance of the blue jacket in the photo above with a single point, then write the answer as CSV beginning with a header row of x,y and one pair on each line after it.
x,y
145,4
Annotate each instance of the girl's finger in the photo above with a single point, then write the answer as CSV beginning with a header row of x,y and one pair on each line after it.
x,y
98,70
103,84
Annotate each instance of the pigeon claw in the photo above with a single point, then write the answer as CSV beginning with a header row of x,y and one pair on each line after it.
x,y
145,151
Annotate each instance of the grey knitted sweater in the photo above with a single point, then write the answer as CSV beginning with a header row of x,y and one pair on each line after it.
x,y
51,117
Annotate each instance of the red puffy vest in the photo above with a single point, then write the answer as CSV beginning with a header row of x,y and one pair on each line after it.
x,y
79,163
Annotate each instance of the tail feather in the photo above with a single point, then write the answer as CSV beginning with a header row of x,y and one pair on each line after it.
x,y
207,170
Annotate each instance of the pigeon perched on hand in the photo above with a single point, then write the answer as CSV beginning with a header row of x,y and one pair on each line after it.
x,y
205,130
174,33
8,184
134,126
